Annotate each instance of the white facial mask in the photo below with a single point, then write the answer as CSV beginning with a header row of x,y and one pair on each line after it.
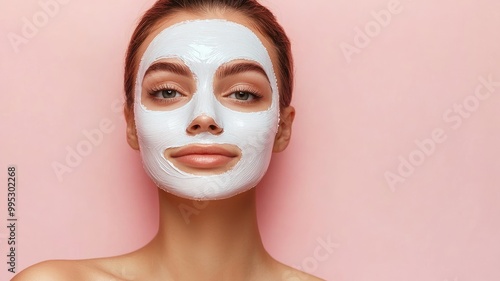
x,y
205,45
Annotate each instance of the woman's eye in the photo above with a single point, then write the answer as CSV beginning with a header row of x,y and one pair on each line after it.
x,y
242,95
166,94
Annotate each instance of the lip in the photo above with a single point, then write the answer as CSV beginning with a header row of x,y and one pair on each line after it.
x,y
203,150
218,158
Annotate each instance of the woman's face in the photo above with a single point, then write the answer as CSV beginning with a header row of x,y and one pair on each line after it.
x,y
206,105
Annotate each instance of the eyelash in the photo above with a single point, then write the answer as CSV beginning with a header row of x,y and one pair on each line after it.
x,y
165,87
256,96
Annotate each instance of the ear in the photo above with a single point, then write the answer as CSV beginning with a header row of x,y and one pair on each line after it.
x,y
131,131
284,133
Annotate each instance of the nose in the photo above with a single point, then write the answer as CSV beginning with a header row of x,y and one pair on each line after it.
x,y
203,124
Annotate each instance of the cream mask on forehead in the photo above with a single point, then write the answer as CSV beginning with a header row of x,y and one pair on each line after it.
x,y
204,46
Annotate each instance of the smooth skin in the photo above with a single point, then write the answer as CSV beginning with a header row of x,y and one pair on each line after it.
x,y
222,242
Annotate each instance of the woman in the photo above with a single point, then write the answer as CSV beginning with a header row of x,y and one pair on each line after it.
x,y
208,87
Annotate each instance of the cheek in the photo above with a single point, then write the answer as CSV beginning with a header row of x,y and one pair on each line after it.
x,y
255,131
156,128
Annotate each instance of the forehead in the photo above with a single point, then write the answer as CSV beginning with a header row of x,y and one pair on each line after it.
x,y
231,16
209,41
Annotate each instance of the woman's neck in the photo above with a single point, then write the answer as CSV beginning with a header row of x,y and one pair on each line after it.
x,y
205,240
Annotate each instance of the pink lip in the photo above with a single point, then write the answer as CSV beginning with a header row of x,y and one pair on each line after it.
x,y
203,157
202,150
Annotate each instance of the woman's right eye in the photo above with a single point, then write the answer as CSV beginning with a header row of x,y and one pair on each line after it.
x,y
166,94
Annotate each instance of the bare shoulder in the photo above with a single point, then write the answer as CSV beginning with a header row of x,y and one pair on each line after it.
x,y
292,274
296,275
54,270
63,270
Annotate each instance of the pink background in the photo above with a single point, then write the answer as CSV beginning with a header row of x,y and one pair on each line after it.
x,y
356,115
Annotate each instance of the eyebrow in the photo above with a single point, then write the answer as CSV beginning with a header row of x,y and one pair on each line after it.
x,y
233,69
169,66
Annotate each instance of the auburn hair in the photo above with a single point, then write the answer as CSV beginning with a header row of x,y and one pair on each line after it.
x,y
260,16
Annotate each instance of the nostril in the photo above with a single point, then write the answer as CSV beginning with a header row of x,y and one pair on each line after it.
x,y
203,124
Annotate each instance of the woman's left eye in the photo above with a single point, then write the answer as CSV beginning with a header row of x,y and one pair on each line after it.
x,y
243,95
167,94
